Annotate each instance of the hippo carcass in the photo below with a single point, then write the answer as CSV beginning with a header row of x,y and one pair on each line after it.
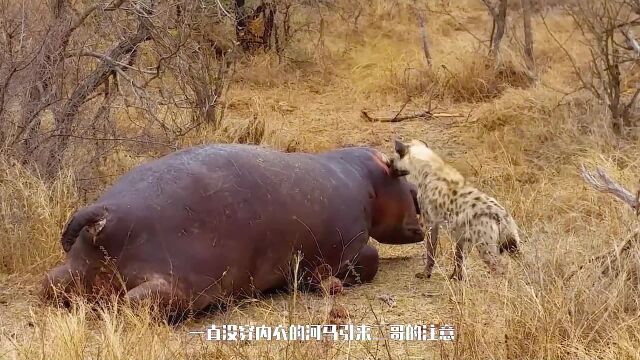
x,y
219,221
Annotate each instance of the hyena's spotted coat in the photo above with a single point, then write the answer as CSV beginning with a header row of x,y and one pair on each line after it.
x,y
443,195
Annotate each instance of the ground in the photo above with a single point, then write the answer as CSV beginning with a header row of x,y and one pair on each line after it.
x,y
520,140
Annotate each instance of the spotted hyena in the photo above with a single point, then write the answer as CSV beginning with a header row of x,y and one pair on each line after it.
x,y
473,217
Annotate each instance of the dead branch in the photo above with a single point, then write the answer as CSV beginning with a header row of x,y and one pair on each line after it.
x,y
395,119
602,182
491,7
66,118
111,61
632,42
612,260
80,18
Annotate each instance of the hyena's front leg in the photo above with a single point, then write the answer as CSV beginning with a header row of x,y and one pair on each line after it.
x,y
459,260
431,245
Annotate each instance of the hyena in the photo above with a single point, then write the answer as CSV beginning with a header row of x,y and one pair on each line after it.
x,y
473,217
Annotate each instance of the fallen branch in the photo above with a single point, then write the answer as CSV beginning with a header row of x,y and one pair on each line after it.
x,y
394,119
615,260
602,182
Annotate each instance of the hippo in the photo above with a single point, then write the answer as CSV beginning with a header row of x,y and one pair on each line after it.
x,y
224,221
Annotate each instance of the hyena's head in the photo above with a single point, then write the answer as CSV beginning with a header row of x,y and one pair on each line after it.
x,y
408,157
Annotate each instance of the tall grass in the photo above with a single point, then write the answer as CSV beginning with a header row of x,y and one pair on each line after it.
x,y
32,215
522,142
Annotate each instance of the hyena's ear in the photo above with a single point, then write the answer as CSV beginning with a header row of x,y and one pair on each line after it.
x,y
400,148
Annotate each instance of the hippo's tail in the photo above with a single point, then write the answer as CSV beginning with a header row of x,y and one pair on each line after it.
x,y
93,217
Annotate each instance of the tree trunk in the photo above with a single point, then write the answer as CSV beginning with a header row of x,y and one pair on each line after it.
x,y
269,17
423,36
500,21
528,35
241,24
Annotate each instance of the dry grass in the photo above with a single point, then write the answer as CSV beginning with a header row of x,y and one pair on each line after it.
x,y
33,214
522,142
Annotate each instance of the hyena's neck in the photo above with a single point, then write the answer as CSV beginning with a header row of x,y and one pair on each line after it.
x,y
438,191
430,174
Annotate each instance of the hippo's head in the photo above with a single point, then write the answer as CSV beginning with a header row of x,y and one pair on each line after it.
x,y
395,210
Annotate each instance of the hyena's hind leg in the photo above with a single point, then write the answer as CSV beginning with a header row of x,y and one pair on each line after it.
x,y
487,235
483,234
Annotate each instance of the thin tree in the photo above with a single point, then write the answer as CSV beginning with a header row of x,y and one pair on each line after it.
x,y
528,35
498,13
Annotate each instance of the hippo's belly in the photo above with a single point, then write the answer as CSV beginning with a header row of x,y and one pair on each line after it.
x,y
227,248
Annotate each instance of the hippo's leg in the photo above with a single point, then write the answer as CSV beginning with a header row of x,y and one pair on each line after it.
x,y
170,301
76,275
57,282
363,269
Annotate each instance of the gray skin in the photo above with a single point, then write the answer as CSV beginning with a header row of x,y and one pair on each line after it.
x,y
224,221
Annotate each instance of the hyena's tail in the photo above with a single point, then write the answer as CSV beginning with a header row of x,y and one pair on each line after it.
x,y
509,239
92,216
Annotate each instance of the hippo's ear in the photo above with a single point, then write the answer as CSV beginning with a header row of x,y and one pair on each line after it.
x,y
400,148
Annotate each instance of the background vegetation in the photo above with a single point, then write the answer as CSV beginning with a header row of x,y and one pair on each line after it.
x,y
89,89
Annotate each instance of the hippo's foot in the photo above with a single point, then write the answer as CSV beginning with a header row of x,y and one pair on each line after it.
x,y
426,272
363,269
165,300
331,286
